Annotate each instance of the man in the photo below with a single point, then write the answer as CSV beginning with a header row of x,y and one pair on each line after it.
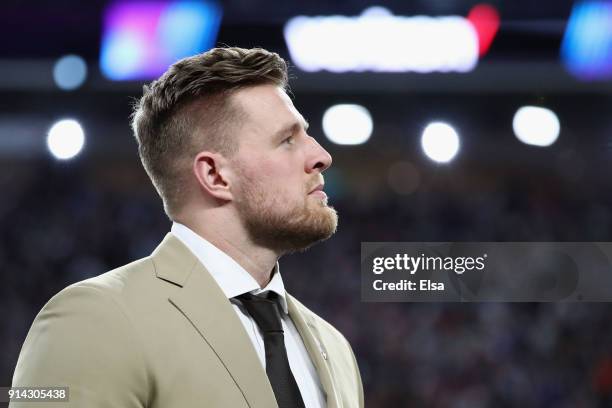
x,y
205,320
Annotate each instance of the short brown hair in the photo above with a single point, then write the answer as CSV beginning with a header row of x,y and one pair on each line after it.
x,y
188,110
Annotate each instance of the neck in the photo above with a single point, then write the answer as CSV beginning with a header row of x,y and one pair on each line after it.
x,y
231,238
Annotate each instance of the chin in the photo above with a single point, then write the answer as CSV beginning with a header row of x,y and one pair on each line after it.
x,y
320,228
289,230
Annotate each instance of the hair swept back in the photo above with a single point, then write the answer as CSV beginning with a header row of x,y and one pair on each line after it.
x,y
188,110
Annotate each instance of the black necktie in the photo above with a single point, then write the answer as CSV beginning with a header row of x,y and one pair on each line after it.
x,y
265,314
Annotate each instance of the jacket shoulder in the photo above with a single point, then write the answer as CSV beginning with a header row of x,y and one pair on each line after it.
x,y
119,279
84,339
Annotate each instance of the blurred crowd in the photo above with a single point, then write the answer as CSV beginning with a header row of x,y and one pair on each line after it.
x,y
63,225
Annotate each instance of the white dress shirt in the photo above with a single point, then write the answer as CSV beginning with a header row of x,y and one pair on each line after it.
x,y
234,280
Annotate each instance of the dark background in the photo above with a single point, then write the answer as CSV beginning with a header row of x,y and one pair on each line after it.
x,y
61,222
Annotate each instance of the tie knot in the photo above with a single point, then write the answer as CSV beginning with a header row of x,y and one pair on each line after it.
x,y
263,310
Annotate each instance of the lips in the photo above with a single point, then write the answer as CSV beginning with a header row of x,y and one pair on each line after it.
x,y
318,192
317,188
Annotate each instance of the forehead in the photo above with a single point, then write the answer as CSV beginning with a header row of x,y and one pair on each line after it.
x,y
267,107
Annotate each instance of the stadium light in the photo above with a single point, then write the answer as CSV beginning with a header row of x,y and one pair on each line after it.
x,y
440,142
65,139
347,124
379,41
536,126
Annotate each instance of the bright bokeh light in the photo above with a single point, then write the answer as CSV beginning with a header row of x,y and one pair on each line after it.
x,y
142,37
536,126
440,142
347,124
485,19
586,49
65,139
379,41
69,72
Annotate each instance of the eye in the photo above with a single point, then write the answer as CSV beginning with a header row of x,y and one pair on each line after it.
x,y
290,140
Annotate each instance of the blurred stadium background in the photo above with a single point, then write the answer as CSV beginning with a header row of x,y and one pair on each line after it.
x,y
423,118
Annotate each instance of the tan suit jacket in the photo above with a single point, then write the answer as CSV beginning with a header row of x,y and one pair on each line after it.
x,y
159,332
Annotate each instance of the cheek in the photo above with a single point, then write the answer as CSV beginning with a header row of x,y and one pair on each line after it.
x,y
281,179
285,190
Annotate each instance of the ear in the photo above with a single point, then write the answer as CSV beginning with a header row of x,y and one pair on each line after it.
x,y
211,171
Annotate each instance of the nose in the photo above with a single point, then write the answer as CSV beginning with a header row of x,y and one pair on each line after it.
x,y
319,158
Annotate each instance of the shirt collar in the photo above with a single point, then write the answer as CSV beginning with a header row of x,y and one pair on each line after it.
x,y
232,278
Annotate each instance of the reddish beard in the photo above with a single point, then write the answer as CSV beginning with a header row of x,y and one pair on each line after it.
x,y
272,222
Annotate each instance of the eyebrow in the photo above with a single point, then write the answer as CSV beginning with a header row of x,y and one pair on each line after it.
x,y
292,128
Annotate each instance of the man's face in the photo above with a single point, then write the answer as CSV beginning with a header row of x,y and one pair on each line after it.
x,y
279,168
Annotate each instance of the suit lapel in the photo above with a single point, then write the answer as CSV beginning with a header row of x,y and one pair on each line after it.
x,y
209,311
310,335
